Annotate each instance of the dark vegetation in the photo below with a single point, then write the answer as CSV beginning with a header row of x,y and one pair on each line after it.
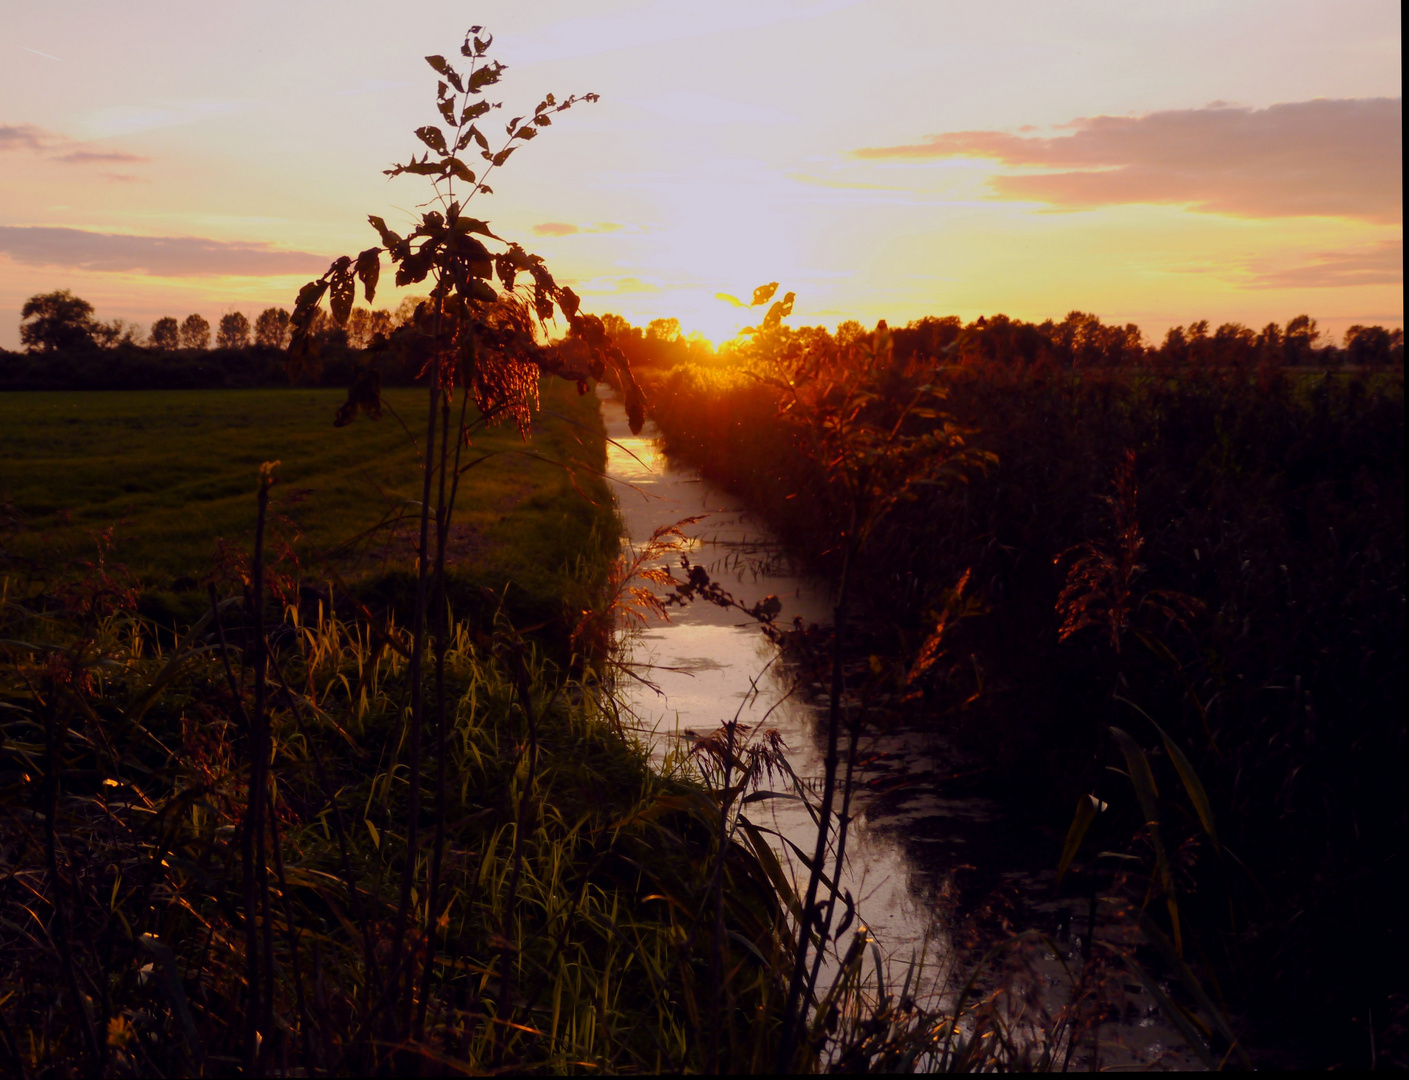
x,y
66,348
1178,589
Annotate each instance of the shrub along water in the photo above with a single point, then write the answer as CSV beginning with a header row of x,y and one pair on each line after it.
x,y
1215,554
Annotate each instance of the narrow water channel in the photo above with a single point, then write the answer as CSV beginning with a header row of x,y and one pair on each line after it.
x,y
924,865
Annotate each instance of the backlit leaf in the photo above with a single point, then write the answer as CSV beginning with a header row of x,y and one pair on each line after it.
x,y
369,268
764,293
432,137
389,238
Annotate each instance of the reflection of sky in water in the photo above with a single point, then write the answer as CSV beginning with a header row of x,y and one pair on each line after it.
x,y
711,664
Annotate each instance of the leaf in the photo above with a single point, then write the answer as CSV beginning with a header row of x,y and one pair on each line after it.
x,y
760,796
763,294
1192,784
369,268
389,238
432,137
1143,780
1087,807
478,289
438,62
474,112
460,170
502,156
485,76
342,292
474,225
568,301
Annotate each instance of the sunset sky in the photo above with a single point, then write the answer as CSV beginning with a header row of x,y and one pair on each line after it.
x,y
1149,162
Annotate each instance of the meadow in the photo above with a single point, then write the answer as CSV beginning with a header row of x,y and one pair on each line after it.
x,y
169,476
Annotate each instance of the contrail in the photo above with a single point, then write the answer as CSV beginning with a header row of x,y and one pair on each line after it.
x,y
36,52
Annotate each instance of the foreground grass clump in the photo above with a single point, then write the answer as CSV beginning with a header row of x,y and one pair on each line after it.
x,y
1206,559
569,889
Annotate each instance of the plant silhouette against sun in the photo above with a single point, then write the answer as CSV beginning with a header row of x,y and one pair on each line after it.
x,y
480,340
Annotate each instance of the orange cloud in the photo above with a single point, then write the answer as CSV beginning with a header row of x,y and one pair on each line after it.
x,y
159,256
562,228
1339,158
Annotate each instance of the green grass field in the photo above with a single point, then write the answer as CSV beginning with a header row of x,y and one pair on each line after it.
x,y
174,471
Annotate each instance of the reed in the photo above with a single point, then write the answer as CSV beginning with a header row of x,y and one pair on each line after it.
x,y
1249,604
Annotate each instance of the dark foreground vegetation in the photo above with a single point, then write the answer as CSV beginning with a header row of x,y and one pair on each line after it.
x,y
1170,593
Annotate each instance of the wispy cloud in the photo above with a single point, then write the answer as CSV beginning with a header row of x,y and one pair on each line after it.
x,y
57,147
131,119
689,107
1339,158
105,157
1380,264
26,137
659,22
158,256
564,228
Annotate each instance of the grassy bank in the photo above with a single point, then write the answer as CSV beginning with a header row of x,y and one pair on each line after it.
x,y
569,876
1255,612
170,474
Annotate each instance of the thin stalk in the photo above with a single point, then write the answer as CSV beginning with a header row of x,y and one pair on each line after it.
x,y
716,958
506,984
795,1007
442,537
54,741
259,786
848,786
418,643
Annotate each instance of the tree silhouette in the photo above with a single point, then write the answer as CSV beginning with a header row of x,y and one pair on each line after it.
x,y
56,320
234,332
195,333
166,334
271,329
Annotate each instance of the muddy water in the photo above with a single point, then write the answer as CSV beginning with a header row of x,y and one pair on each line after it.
x,y
934,873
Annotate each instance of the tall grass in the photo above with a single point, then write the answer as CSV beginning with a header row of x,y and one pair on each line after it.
x,y
564,903
1273,502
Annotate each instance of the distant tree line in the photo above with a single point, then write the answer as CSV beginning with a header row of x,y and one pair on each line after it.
x,y
67,347
1080,340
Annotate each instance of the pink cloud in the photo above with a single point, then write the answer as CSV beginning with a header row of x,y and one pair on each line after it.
x,y
1382,264
61,148
159,256
555,228
88,157
1341,158
24,137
